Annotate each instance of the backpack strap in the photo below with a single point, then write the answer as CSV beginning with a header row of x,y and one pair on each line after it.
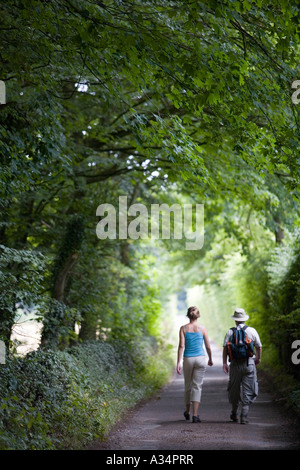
x,y
244,328
234,330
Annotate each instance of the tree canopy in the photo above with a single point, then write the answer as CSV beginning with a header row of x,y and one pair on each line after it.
x,y
161,102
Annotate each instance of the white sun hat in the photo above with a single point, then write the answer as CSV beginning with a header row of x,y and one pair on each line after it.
x,y
240,315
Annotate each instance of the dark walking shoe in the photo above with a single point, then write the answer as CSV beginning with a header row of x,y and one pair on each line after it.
x,y
196,419
234,417
186,415
244,420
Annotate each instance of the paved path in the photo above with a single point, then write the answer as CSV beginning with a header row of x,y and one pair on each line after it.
x,y
159,424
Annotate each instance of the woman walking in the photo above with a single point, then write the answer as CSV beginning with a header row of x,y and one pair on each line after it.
x,y
191,339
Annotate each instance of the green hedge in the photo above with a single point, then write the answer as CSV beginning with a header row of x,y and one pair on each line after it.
x,y
67,399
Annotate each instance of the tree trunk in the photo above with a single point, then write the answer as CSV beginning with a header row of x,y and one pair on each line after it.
x,y
55,323
88,327
62,277
279,232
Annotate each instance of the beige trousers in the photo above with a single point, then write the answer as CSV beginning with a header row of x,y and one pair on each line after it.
x,y
193,371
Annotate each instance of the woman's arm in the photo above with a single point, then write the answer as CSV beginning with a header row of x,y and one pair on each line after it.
x,y
207,346
180,349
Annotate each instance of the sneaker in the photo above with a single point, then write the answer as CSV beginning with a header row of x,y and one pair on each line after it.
x,y
186,415
234,417
196,419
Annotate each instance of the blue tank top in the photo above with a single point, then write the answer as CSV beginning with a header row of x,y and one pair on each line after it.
x,y
193,344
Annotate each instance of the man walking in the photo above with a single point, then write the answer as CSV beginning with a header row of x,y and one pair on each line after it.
x,y
242,386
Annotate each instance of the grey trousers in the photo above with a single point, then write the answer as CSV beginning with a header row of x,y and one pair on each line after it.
x,y
242,386
193,370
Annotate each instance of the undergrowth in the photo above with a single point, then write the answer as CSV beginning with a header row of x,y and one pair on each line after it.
x,y
67,399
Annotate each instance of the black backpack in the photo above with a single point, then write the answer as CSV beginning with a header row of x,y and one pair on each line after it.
x,y
240,347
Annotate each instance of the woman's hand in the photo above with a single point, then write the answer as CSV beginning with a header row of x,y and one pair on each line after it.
x,y
179,369
210,362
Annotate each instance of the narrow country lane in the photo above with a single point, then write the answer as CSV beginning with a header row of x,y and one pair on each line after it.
x,y
159,424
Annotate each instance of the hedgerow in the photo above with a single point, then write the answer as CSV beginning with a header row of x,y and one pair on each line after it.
x,y
66,399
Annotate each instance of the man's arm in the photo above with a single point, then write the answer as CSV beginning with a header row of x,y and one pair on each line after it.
x,y
225,365
258,352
